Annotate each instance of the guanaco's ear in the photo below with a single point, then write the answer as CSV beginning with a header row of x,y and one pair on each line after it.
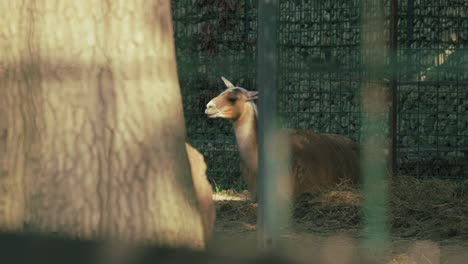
x,y
252,95
227,83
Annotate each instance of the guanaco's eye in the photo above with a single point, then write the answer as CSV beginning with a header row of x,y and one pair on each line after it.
x,y
232,99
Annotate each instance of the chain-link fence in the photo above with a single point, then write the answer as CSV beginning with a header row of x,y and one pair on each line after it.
x,y
320,76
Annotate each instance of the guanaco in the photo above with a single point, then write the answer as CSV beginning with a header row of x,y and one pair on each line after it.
x,y
317,160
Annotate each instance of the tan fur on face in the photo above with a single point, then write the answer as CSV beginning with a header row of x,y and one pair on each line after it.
x,y
229,104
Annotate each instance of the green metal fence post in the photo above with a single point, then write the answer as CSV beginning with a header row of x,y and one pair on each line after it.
x,y
374,114
272,158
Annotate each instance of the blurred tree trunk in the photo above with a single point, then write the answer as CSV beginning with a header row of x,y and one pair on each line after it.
x,y
91,126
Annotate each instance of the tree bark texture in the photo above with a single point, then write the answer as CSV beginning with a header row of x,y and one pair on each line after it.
x,y
91,126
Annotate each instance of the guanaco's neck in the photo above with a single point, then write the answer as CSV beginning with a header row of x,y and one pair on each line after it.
x,y
246,135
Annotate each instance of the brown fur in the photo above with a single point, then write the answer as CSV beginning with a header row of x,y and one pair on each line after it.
x,y
203,190
317,160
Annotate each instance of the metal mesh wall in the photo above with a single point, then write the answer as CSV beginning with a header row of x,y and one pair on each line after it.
x,y
320,76
433,87
320,65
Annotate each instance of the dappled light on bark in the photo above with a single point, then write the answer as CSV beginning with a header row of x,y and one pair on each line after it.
x,y
93,115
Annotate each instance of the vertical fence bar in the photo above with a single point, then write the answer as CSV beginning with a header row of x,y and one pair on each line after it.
x,y
410,22
272,158
394,84
374,115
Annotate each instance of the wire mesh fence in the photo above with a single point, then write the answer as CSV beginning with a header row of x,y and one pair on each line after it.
x,y
320,76
319,65
433,86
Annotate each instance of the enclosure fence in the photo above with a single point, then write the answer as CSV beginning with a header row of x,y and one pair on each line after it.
x,y
321,72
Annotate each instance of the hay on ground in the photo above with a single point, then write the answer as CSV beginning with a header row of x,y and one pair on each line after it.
x,y
423,208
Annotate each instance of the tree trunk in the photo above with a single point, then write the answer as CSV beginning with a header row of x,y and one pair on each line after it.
x,y
91,127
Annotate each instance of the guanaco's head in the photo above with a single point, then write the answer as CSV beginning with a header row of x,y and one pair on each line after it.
x,y
230,103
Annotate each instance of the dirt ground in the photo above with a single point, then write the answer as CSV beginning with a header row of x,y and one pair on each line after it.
x,y
429,224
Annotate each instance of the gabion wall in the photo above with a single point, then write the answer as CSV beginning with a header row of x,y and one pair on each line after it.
x,y
320,65
433,87
320,76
